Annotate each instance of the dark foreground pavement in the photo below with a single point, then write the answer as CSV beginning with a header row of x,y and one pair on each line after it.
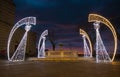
x,y
59,69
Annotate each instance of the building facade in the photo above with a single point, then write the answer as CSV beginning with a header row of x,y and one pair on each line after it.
x,y
7,16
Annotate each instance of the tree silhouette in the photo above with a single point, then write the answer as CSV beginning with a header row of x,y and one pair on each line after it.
x,y
52,38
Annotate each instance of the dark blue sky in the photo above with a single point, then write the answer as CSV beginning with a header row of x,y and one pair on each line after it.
x,y
63,11
65,17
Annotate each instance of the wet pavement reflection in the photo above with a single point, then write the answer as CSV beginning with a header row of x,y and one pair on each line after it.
x,y
59,69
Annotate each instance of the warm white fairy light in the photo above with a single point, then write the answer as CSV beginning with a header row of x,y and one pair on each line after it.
x,y
95,18
28,21
41,49
85,35
101,52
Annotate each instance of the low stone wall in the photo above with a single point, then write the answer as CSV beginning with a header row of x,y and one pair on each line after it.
x,y
61,54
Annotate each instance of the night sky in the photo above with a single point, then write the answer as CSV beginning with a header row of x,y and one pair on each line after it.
x,y
63,18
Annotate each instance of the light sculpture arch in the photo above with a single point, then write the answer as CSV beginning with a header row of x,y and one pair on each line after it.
x,y
82,32
41,49
96,18
28,21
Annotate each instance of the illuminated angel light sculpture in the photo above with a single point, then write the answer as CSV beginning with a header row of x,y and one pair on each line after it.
x,y
101,19
87,51
101,52
19,54
41,49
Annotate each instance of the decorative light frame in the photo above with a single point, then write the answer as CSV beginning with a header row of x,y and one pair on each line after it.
x,y
95,18
24,21
82,32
